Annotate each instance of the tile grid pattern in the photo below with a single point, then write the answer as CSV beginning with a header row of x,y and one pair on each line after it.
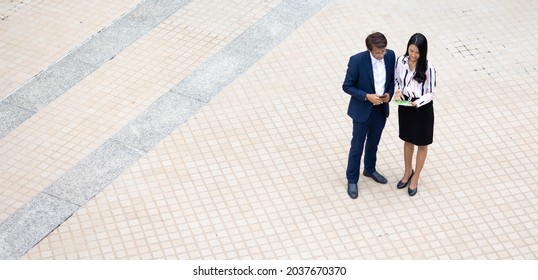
x,y
90,175
97,107
54,29
258,172
54,81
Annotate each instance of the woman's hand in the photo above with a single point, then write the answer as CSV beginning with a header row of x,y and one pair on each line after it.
x,y
398,95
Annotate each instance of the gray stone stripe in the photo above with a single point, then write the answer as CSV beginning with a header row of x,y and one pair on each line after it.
x,y
59,77
33,222
206,81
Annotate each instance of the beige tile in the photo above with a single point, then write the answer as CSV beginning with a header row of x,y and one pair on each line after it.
x,y
79,121
259,172
27,50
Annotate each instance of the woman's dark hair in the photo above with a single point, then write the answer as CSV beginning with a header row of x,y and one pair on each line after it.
x,y
376,39
421,42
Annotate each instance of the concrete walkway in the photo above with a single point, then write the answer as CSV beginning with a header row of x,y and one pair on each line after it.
x,y
209,130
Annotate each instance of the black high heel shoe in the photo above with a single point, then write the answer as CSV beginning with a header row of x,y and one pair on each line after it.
x,y
402,185
412,192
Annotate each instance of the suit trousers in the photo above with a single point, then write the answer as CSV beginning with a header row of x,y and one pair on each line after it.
x,y
369,131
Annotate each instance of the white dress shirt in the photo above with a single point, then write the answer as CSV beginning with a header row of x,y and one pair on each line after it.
x,y
380,74
411,89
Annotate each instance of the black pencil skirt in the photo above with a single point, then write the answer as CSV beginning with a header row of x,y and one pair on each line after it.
x,y
416,124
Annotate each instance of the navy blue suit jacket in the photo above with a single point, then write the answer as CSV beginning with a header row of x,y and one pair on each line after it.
x,y
360,80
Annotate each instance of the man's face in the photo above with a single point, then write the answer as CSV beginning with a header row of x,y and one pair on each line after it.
x,y
378,53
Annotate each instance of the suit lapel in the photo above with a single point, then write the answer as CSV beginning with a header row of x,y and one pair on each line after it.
x,y
369,69
387,70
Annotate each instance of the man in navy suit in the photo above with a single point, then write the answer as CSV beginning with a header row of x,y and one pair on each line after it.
x,y
370,82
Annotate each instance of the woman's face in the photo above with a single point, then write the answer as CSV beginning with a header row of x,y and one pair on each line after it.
x,y
413,53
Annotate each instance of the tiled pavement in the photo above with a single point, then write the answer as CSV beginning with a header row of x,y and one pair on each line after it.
x,y
218,131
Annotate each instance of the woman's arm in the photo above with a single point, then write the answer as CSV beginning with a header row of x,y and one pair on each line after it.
x,y
429,87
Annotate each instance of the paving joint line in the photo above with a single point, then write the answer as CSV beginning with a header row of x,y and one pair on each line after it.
x,y
67,54
57,78
92,174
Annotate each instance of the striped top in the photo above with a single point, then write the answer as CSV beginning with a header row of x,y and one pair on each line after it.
x,y
421,93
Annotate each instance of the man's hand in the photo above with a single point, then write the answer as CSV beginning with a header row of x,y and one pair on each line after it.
x,y
385,98
378,100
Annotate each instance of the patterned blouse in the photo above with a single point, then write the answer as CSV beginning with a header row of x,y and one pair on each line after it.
x,y
421,93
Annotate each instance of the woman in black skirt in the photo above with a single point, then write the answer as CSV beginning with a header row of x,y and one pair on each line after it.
x,y
415,82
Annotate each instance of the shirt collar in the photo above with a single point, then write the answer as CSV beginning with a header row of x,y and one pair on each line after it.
x,y
374,60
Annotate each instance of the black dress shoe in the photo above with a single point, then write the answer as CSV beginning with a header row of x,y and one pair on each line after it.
x,y
376,176
353,190
402,185
412,192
